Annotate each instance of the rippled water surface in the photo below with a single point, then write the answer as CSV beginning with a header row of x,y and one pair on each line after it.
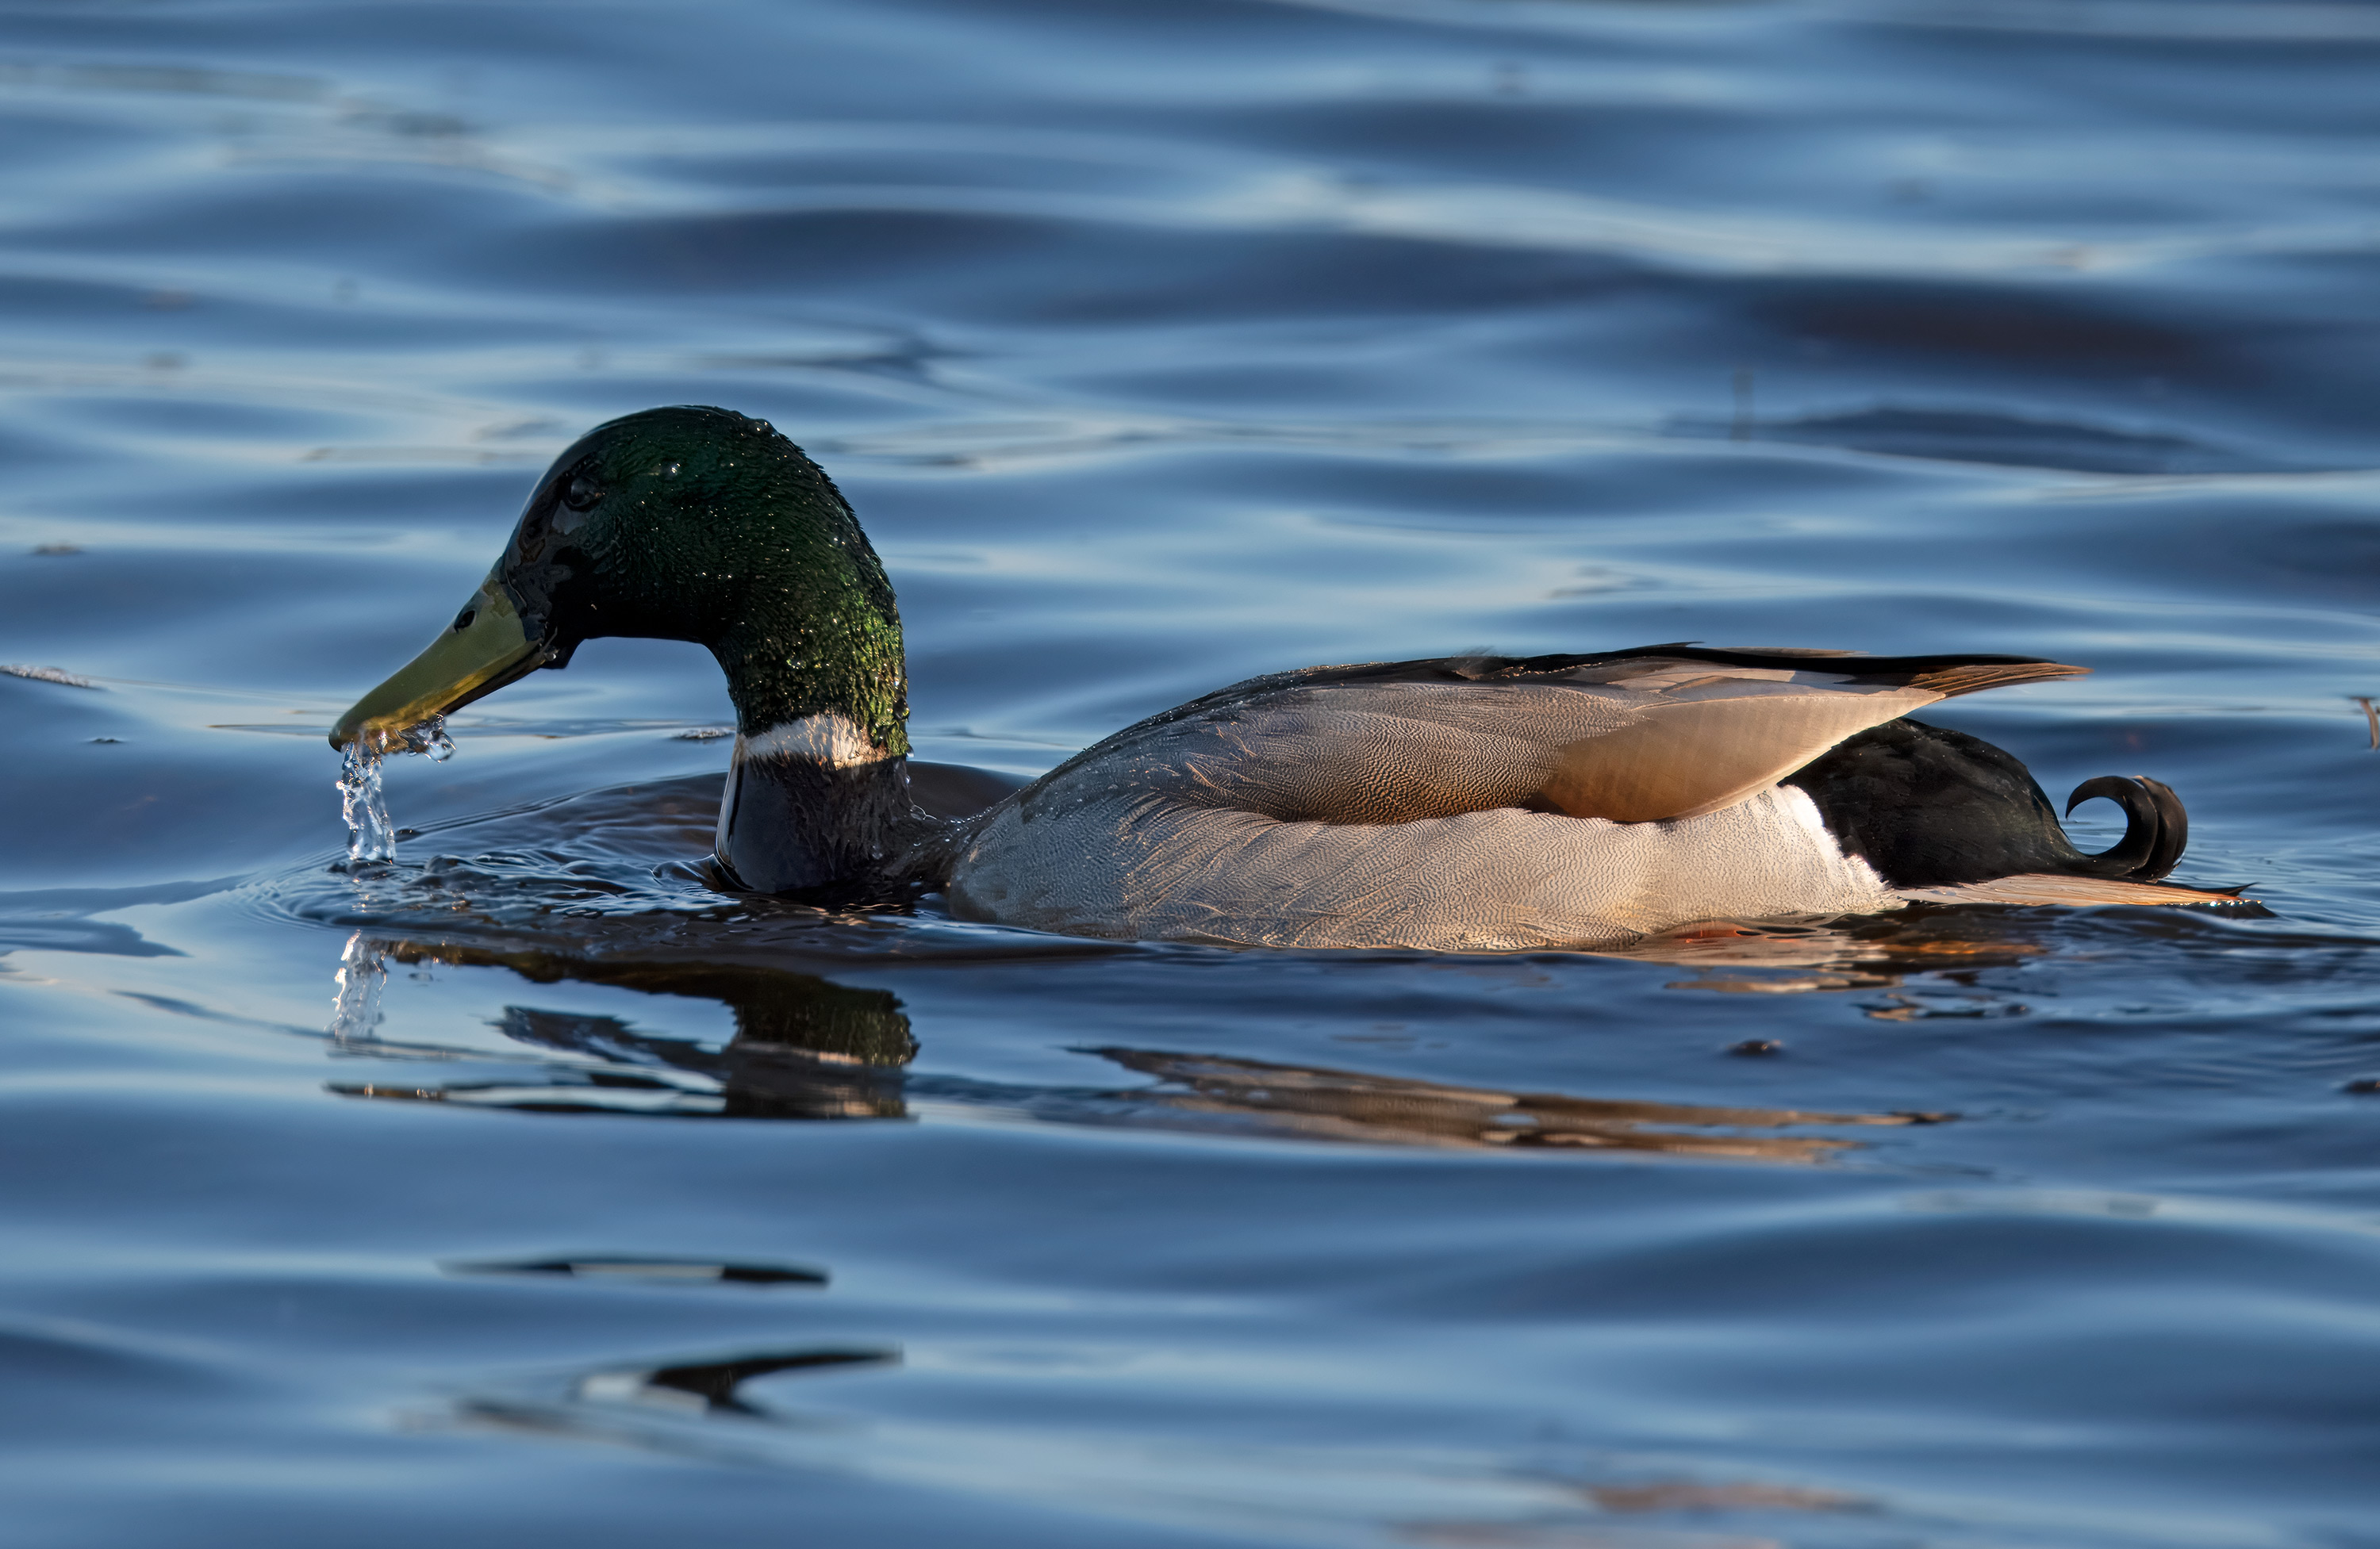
x,y
530,1190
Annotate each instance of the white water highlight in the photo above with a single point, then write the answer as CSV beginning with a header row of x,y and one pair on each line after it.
x,y
363,973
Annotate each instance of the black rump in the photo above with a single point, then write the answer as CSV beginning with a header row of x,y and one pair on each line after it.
x,y
1930,807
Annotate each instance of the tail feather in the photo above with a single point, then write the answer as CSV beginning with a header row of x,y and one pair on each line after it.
x,y
2156,829
2173,831
1974,677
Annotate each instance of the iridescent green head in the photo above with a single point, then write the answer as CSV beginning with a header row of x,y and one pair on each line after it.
x,y
676,524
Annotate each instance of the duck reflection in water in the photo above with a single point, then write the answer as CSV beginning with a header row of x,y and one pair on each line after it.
x,y
808,1049
803,1049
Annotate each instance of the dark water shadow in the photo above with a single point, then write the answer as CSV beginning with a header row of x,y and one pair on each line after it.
x,y
635,1404
640,1268
714,1387
808,1049
1319,1103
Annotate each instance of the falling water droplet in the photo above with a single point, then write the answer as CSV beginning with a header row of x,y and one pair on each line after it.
x,y
355,1011
371,838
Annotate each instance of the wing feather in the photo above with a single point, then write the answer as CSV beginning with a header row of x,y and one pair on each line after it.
x,y
1687,759
1662,733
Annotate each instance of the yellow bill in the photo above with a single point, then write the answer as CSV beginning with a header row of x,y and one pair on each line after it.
x,y
486,647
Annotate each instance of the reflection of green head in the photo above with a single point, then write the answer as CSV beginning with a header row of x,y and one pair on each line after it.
x,y
798,1012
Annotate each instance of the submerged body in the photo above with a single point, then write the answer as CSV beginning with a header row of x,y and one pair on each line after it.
x,y
1470,803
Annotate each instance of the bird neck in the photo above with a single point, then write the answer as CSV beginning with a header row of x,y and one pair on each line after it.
x,y
817,796
814,807
813,633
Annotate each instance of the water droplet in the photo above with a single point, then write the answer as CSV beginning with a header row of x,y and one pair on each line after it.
x,y
371,838
355,1011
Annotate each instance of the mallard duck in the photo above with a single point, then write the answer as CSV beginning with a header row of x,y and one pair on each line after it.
x,y
1477,802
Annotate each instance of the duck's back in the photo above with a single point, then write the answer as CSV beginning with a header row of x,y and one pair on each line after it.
x,y
1469,804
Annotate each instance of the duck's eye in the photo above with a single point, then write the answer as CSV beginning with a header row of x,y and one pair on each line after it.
x,y
462,619
583,492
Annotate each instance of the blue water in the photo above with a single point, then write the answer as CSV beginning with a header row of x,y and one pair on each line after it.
x,y
532,1192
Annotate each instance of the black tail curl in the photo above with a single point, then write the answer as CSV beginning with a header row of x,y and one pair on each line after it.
x,y
2157,830
1930,807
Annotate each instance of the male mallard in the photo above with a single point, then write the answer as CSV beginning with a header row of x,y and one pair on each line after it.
x,y
1473,803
